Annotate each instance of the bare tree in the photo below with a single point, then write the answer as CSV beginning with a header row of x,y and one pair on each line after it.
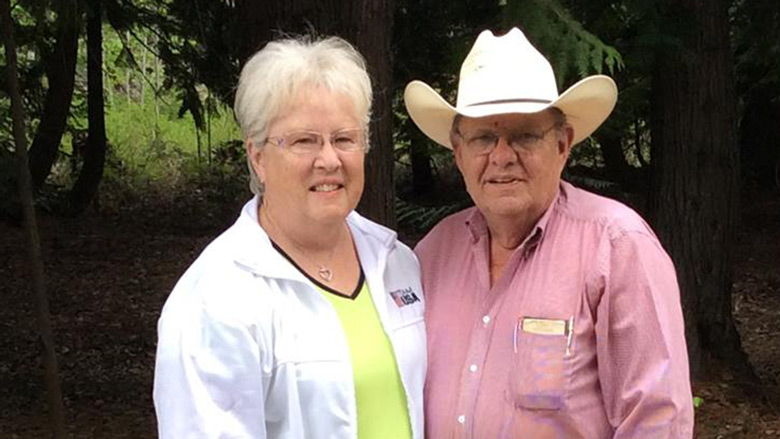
x,y
60,72
86,187
51,371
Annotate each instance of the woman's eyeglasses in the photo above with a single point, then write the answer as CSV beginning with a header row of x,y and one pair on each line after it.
x,y
311,142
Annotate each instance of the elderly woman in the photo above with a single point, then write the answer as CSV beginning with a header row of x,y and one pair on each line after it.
x,y
303,319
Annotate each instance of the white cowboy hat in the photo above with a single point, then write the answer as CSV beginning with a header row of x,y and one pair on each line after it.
x,y
504,75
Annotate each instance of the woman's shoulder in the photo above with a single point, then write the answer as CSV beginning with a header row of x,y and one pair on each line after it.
x,y
218,283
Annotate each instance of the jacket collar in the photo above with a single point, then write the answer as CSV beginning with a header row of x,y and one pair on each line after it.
x,y
252,249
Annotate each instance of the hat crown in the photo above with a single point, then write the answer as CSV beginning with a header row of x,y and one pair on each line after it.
x,y
505,69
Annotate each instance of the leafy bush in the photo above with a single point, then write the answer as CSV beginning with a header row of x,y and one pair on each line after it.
x,y
420,219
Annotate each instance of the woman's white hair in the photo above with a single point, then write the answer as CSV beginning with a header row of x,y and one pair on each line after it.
x,y
277,72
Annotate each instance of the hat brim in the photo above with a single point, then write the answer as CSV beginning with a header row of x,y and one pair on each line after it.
x,y
586,104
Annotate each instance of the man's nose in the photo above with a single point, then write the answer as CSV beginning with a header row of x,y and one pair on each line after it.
x,y
503,153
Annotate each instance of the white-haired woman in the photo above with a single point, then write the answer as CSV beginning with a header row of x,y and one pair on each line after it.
x,y
303,319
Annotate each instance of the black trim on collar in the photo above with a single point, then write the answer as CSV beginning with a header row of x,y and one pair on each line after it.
x,y
352,296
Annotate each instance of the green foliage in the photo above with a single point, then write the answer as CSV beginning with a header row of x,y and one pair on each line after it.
x,y
697,402
636,30
586,154
420,219
157,146
573,51
33,36
198,42
151,138
164,127
188,185
758,65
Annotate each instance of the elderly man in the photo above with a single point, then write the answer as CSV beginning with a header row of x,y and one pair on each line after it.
x,y
552,312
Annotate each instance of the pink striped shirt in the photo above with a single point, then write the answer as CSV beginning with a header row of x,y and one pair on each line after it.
x,y
502,361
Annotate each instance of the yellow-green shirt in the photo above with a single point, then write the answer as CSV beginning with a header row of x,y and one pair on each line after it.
x,y
381,401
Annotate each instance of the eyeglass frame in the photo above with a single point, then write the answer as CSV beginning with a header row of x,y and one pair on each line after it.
x,y
280,141
535,139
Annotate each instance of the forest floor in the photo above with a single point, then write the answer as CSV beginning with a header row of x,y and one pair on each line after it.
x,y
108,276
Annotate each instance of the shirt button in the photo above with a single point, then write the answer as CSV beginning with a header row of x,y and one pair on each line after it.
x,y
486,319
461,419
473,368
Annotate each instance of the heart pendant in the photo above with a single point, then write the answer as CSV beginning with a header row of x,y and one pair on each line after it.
x,y
326,274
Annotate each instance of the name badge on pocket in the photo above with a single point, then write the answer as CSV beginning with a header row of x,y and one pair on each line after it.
x,y
543,326
539,326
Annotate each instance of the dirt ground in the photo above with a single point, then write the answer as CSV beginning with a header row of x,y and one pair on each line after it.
x,y
108,276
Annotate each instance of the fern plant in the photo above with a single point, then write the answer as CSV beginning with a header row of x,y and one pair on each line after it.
x,y
420,219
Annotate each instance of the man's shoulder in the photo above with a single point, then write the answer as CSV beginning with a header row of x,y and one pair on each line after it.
x,y
450,232
617,218
457,220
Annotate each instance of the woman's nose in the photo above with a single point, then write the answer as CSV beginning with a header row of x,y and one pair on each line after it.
x,y
328,156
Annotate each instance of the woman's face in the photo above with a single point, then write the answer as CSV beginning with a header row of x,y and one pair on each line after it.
x,y
321,186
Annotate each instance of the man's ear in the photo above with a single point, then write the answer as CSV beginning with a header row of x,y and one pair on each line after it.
x,y
256,158
565,140
457,152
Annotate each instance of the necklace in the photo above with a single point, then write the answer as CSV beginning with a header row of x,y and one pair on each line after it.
x,y
325,273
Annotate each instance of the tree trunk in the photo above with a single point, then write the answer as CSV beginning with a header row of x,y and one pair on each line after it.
x,y
374,19
61,72
420,155
366,24
696,172
86,186
51,371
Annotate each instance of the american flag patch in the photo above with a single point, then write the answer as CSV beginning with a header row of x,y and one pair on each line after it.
x,y
404,297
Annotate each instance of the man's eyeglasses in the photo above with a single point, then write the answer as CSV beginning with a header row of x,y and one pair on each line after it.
x,y
311,142
483,142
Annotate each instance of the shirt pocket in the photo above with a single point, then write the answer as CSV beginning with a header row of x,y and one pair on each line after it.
x,y
539,372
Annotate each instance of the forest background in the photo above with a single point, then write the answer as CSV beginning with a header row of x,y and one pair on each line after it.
x,y
135,164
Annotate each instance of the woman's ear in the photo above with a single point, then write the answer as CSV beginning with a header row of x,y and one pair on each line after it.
x,y
256,158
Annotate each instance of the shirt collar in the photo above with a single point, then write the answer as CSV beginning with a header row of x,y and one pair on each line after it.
x,y
477,225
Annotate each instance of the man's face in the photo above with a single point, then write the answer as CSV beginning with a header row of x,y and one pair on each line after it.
x,y
520,180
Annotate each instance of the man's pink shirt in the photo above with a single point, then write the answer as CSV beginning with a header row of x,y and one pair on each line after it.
x,y
623,371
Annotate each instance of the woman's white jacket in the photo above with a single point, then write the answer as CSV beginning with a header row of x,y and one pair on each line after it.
x,y
249,349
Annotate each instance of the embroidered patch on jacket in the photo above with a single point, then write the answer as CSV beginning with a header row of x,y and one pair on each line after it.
x,y
404,297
